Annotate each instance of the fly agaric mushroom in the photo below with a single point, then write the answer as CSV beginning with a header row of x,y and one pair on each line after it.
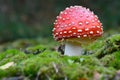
x,y
76,26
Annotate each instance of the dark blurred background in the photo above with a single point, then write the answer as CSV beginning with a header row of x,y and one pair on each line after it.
x,y
34,18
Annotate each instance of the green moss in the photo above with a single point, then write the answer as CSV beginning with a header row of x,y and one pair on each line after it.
x,y
48,64
35,50
95,46
111,45
12,55
112,60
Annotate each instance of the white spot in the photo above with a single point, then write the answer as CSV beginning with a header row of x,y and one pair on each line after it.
x,y
54,23
80,6
61,12
65,32
78,36
55,20
70,32
64,36
88,9
67,18
74,28
67,8
96,16
65,12
91,32
98,32
71,6
92,16
93,21
80,23
60,17
65,25
75,6
102,29
69,24
60,32
79,30
53,29
57,17
73,22
63,19
56,33
98,21
84,35
92,13
87,22
86,29
98,26
87,16
84,8
74,33
76,18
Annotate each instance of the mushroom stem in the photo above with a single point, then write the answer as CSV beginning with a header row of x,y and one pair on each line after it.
x,y
73,49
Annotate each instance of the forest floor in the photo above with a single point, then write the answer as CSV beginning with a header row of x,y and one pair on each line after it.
x,y
39,59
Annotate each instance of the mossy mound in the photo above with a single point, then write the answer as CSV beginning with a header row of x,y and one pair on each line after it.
x,y
42,62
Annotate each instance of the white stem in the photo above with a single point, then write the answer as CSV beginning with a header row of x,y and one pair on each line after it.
x,y
73,49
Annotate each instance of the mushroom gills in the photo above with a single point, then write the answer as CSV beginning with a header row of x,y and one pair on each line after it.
x,y
73,49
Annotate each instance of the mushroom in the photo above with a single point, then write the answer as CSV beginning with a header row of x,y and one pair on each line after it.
x,y
76,26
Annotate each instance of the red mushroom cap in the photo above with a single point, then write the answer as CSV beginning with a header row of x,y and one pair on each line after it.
x,y
77,22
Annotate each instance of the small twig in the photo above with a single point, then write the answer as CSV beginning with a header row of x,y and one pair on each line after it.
x,y
55,67
66,78
48,77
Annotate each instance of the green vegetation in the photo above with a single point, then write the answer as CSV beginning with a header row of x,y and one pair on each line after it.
x,y
38,59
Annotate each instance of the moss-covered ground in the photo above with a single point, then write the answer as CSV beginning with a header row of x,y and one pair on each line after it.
x,y
38,59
